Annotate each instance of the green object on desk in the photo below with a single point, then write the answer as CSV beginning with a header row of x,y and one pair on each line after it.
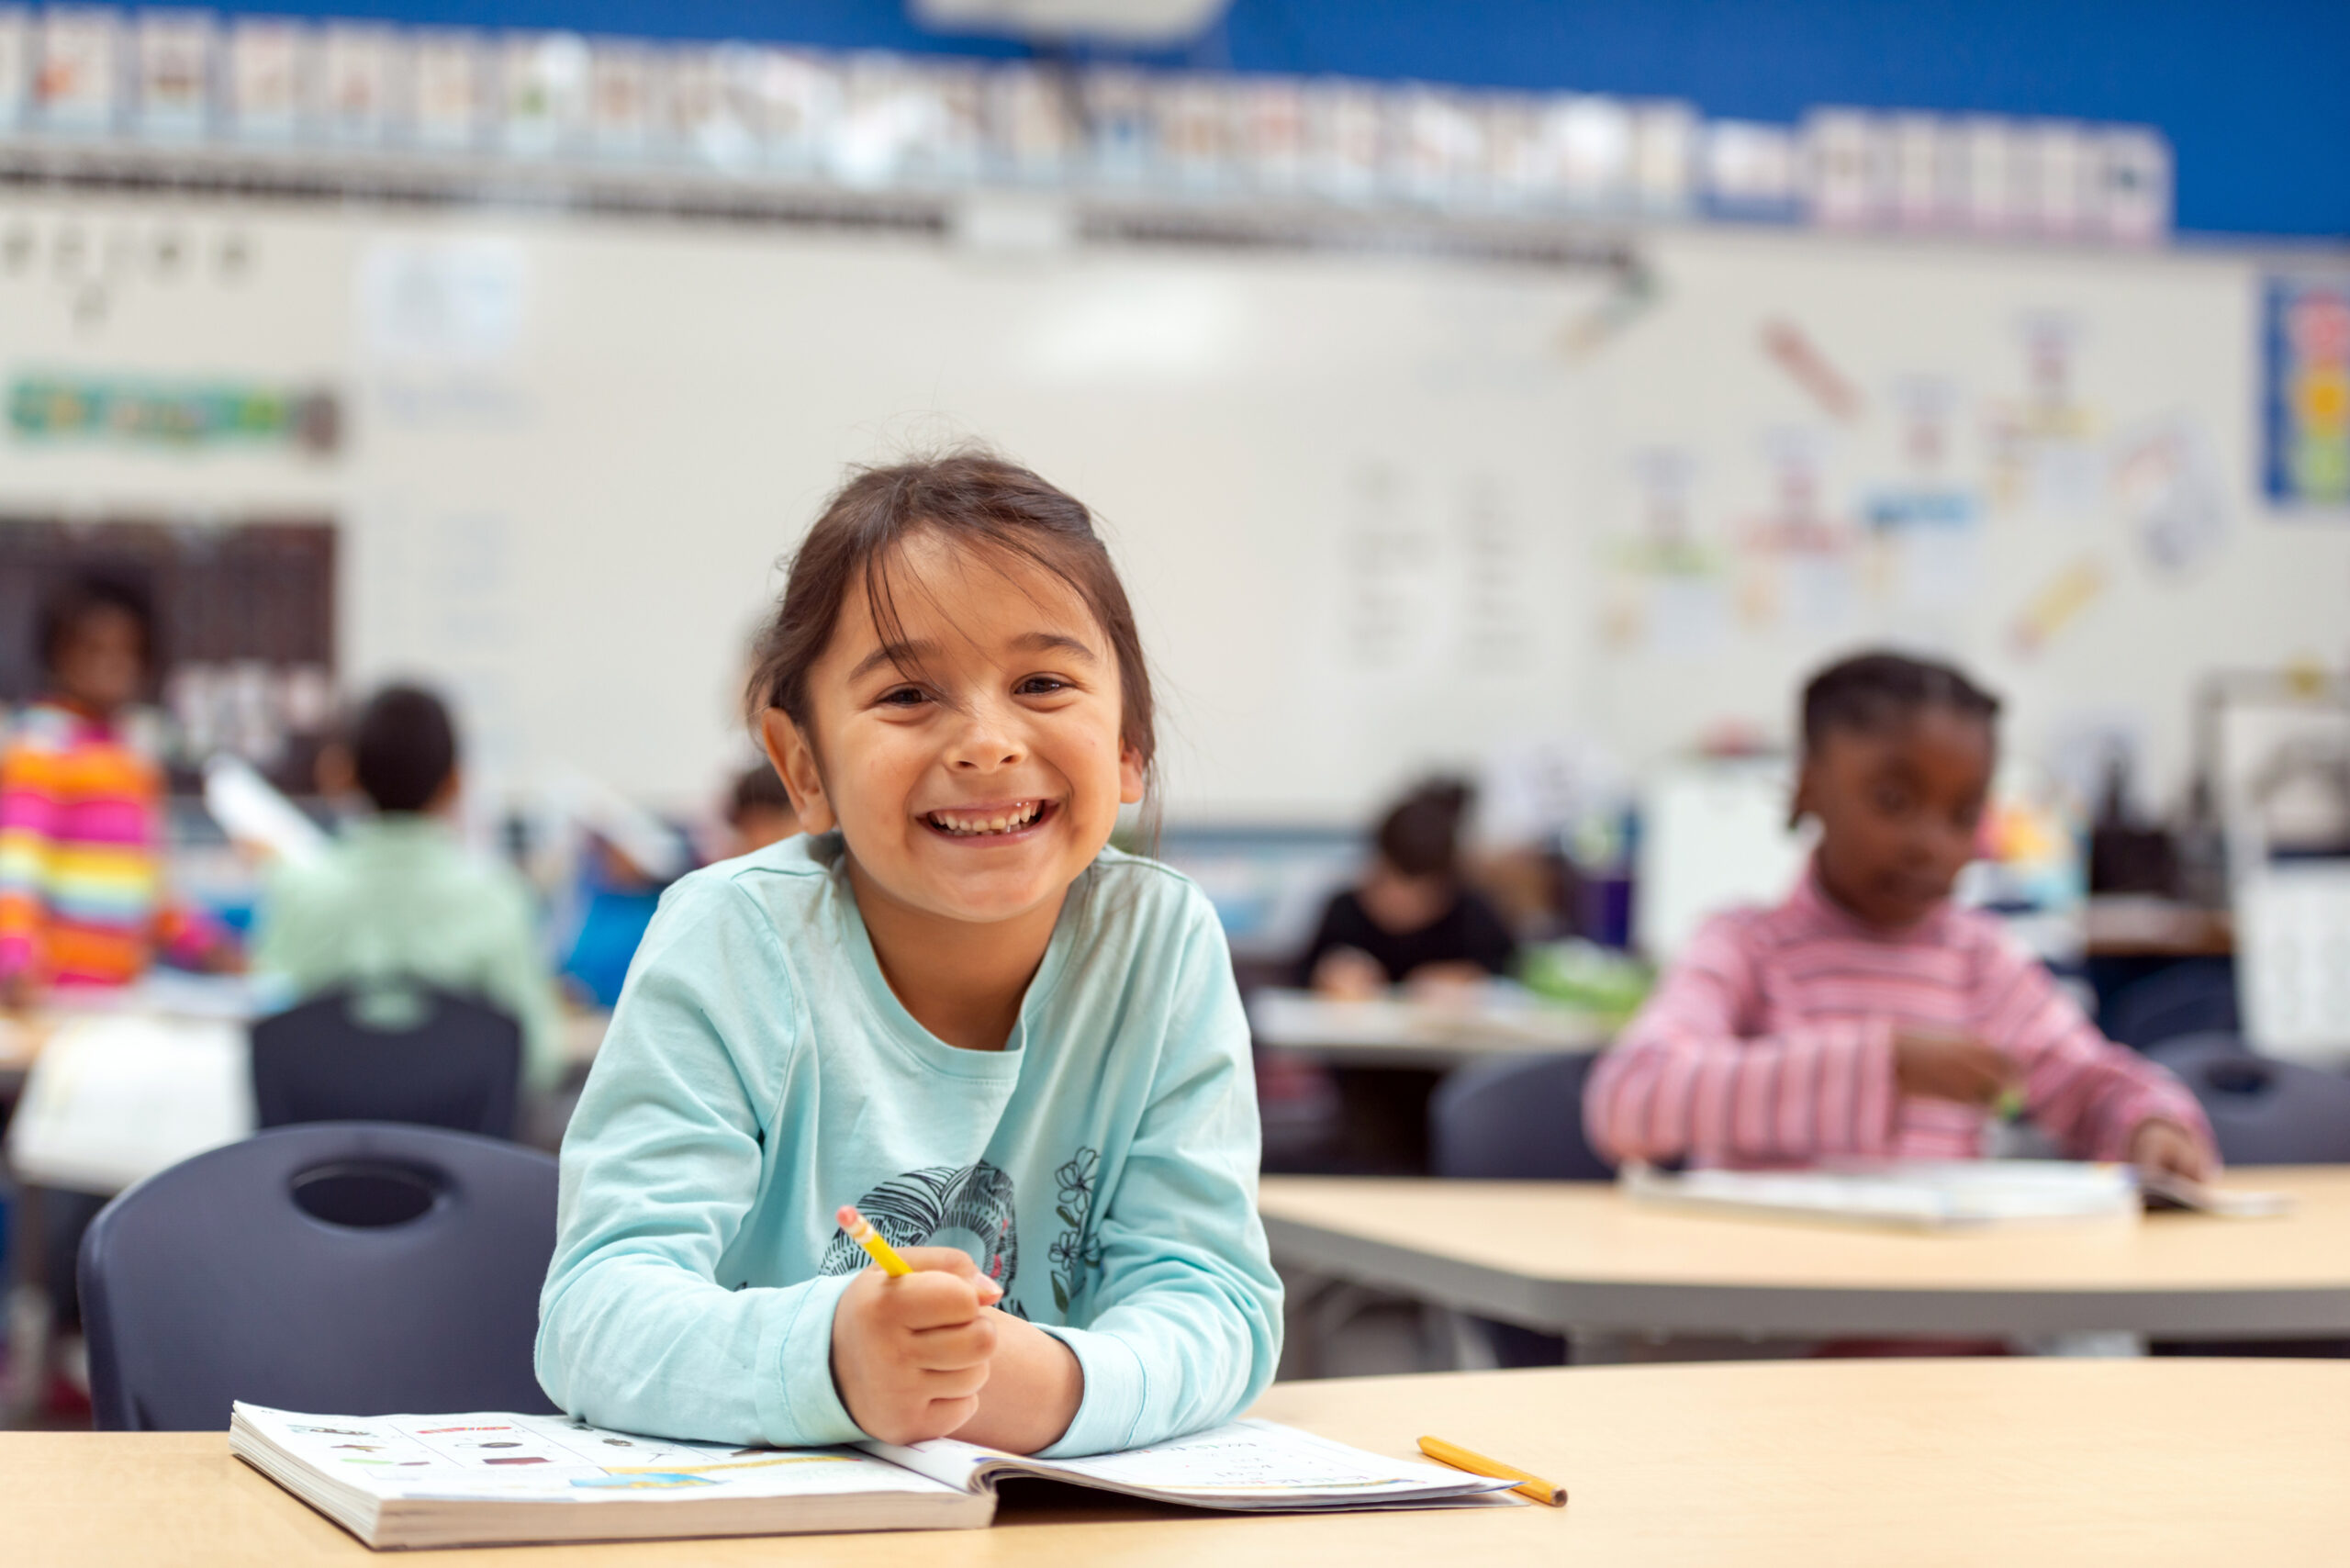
x,y
1609,985
2009,1107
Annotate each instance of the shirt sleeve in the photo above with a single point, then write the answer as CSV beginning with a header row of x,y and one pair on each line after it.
x,y
2079,1087
1684,1081
28,826
660,1169
1182,1324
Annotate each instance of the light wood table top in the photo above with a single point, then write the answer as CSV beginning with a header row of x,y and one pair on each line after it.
x,y
2144,1463
1563,1256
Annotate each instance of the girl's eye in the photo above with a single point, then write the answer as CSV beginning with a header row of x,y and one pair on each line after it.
x,y
1892,800
1042,686
901,697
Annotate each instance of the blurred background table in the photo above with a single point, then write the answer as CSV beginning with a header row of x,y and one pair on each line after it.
x,y
1572,1257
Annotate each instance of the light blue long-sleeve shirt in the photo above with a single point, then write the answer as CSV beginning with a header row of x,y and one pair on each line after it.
x,y
759,1073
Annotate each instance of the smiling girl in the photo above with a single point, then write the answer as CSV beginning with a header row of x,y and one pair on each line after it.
x,y
1018,1051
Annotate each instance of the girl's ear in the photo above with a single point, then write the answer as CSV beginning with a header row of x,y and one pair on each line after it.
x,y
795,763
1131,773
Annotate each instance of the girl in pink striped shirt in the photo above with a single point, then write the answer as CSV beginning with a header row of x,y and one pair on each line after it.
x,y
1865,1015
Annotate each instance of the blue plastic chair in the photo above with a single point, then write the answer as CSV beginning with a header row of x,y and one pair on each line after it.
x,y
2194,996
1516,1118
347,1267
2262,1111
400,1053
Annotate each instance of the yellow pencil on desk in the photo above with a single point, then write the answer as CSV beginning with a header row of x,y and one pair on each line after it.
x,y
865,1236
1534,1486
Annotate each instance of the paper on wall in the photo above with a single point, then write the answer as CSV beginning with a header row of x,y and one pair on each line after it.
x,y
2058,603
16,63
174,73
80,49
265,68
450,301
358,65
447,79
2166,478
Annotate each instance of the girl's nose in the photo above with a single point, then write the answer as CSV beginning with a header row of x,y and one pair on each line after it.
x,y
985,744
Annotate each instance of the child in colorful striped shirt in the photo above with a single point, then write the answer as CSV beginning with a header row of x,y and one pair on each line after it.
x,y
81,805
1865,1015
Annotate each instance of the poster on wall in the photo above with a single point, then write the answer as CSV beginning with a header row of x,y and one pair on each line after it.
x,y
265,61
175,77
16,63
356,95
75,85
448,71
2305,392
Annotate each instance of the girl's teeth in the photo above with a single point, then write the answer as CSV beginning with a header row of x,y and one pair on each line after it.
x,y
1003,821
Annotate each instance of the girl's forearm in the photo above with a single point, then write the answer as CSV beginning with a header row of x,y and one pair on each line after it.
x,y
1033,1390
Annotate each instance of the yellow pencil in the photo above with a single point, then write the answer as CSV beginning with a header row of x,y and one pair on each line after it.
x,y
865,1236
1532,1486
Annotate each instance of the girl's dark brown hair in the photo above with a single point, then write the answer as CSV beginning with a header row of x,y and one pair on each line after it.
x,y
971,499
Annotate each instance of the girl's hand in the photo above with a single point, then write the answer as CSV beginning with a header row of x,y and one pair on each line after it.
x,y
1348,974
1935,1066
911,1354
1035,1386
2169,1149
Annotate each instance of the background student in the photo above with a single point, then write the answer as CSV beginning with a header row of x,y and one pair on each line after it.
x,y
1412,918
1866,1014
758,810
82,894
83,901
397,897
1018,1052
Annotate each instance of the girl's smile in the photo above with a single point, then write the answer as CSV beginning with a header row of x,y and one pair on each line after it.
x,y
990,822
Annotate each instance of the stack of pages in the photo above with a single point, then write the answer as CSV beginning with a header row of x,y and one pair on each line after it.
x,y
485,1480
1921,1194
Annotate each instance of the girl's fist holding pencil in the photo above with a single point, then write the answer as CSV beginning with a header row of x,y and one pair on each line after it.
x,y
911,1354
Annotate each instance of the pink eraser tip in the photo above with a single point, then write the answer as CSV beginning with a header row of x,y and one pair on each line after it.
x,y
848,1217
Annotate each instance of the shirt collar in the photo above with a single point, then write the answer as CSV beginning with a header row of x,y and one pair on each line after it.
x,y
1811,903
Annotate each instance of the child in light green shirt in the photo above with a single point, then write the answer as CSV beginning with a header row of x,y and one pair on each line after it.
x,y
1020,1053
397,897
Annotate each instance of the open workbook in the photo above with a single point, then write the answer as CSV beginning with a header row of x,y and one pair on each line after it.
x,y
489,1480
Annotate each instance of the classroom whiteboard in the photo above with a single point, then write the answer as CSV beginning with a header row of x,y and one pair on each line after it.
x,y
1378,514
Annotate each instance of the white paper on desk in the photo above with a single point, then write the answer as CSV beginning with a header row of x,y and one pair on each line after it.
x,y
1921,1194
115,1097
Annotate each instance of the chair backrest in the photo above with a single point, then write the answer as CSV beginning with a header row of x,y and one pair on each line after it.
x,y
1517,1117
395,1054
2194,996
2262,1111
345,1268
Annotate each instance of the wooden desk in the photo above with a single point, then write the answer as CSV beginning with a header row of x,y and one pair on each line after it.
x,y
1392,1032
1916,1462
1573,1256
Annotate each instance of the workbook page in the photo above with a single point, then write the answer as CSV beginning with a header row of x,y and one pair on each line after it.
x,y
1245,1464
515,1457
